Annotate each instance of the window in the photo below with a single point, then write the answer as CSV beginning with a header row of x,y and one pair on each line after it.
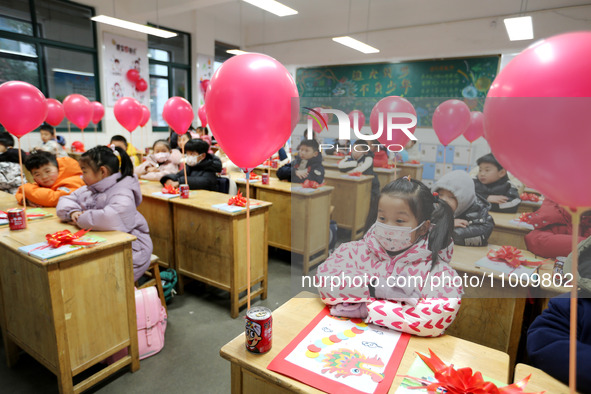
x,y
50,44
170,73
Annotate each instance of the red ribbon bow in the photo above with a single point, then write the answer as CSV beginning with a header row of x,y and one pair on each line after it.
x,y
524,217
169,189
253,176
355,173
237,200
512,256
65,237
529,197
461,381
308,184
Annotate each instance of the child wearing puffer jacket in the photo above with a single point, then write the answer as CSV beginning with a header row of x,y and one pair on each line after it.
x,y
398,276
163,161
472,224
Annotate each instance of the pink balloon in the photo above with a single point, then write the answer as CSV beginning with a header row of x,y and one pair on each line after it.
x,y
475,128
360,119
55,112
145,116
78,110
381,109
536,118
202,116
141,85
252,107
22,107
203,85
128,112
133,75
450,120
324,120
178,113
98,112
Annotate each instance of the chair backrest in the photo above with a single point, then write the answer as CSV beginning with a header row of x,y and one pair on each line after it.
x,y
223,185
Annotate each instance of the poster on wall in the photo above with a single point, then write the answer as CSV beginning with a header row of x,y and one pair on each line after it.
x,y
122,54
204,73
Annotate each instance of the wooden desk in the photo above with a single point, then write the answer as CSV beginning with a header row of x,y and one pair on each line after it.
x,y
158,214
414,170
70,312
385,175
506,233
308,233
540,380
350,198
210,244
250,374
331,159
7,201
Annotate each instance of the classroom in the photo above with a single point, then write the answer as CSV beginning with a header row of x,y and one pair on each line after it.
x,y
295,196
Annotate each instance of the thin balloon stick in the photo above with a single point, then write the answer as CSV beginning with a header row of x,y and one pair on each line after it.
x,y
185,166
444,160
20,160
95,136
82,135
470,158
70,135
395,166
572,358
248,240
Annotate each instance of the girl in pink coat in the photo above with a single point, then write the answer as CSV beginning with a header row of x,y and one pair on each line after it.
x,y
398,276
163,161
109,201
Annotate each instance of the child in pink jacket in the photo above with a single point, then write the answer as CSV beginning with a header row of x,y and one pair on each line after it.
x,y
398,276
163,161
109,201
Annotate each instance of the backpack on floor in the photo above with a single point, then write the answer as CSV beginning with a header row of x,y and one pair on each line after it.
x,y
169,280
151,321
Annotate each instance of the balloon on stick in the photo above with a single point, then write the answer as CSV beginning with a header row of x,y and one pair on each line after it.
x,y
78,110
144,121
178,113
450,120
98,111
22,109
55,112
202,116
474,131
540,101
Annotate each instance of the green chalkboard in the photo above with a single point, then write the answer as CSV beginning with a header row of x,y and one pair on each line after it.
x,y
425,84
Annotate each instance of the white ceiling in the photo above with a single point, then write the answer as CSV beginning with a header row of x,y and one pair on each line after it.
x,y
401,29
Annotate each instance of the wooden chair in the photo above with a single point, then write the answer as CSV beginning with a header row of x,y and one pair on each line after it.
x,y
154,273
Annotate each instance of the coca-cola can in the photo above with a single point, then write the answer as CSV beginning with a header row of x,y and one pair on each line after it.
x,y
184,190
259,329
17,219
265,178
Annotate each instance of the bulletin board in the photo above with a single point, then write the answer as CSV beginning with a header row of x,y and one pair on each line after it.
x,y
424,83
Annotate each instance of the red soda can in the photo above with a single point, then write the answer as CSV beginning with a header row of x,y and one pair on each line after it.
x,y
224,171
184,189
17,219
259,330
265,178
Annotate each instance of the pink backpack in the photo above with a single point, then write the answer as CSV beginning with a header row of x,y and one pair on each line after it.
x,y
151,321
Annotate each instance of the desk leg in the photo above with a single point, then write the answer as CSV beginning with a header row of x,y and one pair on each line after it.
x,y
10,347
131,316
236,376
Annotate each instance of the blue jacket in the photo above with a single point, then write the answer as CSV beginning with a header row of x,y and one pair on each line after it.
x,y
548,341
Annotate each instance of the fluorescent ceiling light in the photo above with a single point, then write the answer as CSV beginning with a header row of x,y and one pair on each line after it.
x,y
520,28
273,7
133,26
63,70
235,52
17,53
355,44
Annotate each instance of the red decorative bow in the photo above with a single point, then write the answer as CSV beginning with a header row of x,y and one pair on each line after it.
x,y
237,200
254,176
461,381
524,217
308,184
512,256
414,162
169,189
355,173
65,237
529,197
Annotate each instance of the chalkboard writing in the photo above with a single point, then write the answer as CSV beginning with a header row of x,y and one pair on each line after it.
x,y
425,84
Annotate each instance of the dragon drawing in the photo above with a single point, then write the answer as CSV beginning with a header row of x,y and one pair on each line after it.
x,y
345,362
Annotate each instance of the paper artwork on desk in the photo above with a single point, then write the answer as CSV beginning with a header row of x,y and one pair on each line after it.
x,y
228,208
165,195
505,268
519,223
43,251
300,189
343,355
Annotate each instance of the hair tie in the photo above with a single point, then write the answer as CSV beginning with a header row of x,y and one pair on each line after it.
x,y
436,195
406,177
112,146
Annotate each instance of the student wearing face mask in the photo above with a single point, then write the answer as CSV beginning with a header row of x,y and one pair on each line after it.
x,y
398,276
163,161
202,168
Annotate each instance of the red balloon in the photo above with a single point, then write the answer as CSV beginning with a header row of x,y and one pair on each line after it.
x,y
78,110
203,86
450,119
178,113
475,128
128,112
252,108
536,118
55,112
22,107
145,116
98,112
360,119
324,119
202,116
141,85
133,75
379,114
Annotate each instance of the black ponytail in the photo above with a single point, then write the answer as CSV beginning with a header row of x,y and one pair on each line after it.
x,y
104,156
425,206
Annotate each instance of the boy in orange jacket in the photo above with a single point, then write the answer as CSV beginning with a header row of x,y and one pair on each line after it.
x,y
54,177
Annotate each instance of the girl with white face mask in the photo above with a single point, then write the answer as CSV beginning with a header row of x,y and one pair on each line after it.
x,y
162,161
398,275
